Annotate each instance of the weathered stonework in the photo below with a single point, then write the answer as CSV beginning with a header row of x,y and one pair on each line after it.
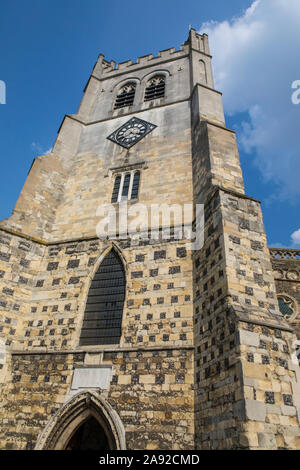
x,y
205,356
286,266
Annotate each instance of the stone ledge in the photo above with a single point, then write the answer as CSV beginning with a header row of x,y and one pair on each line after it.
x,y
253,317
266,323
99,350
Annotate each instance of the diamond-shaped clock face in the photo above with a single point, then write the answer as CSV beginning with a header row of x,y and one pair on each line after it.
x,y
131,132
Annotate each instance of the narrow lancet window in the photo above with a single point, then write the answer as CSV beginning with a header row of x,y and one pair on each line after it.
x,y
135,185
115,194
125,189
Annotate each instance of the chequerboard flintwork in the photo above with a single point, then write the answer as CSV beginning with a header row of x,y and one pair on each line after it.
x,y
118,342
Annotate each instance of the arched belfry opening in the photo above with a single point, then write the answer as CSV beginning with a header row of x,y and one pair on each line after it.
x,y
102,322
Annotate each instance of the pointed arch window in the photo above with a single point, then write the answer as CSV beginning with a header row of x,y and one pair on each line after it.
x,y
155,88
104,308
125,96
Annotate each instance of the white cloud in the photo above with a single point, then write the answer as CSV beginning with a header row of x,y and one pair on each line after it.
x,y
256,61
296,238
38,148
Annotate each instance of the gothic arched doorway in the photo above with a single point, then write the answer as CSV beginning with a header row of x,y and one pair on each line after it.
x,y
86,422
89,436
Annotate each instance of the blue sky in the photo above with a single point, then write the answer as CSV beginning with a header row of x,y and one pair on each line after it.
x,y
48,49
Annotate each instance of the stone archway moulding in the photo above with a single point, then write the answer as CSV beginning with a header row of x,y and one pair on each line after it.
x,y
75,412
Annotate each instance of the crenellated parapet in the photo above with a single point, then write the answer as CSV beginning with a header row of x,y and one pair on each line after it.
x,y
196,42
105,69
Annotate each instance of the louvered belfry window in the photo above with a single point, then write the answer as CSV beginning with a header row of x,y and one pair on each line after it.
x,y
104,308
155,88
125,96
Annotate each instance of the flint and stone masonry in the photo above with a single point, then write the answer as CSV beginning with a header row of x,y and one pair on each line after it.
x,y
205,358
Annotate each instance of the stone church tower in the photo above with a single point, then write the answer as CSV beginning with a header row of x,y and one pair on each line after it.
x,y
143,343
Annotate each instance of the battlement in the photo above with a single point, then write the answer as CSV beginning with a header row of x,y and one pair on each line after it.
x,y
195,41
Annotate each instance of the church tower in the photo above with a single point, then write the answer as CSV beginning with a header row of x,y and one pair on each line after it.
x,y
119,341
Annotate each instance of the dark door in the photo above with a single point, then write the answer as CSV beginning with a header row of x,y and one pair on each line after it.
x,y
90,436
